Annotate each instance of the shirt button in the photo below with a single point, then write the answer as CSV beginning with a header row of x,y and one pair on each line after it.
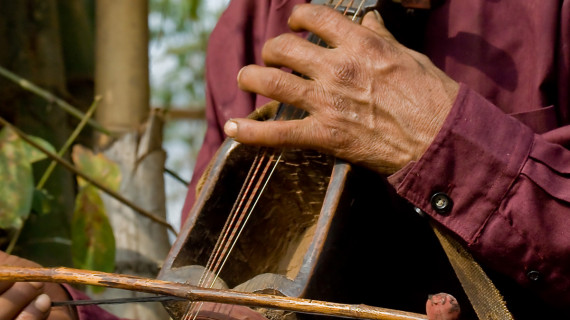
x,y
441,203
533,275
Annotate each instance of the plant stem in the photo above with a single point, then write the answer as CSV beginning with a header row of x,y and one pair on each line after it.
x,y
89,179
52,165
27,85
69,141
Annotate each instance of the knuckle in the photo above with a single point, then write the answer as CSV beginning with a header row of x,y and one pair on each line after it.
x,y
274,82
371,42
330,136
422,59
27,315
346,71
337,141
288,137
276,48
315,17
291,137
325,16
320,15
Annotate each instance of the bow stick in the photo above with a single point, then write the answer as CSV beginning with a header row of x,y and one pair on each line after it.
x,y
193,293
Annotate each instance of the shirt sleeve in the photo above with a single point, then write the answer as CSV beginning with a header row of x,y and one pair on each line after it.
x,y
502,189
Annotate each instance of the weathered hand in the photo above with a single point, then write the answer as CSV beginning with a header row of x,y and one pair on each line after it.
x,y
371,100
30,300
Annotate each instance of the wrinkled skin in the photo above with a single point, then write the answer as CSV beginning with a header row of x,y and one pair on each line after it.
x,y
30,300
371,100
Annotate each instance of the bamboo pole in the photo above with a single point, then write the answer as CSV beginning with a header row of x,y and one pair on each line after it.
x,y
192,293
121,68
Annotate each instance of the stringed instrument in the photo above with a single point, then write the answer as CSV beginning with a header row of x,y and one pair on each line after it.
x,y
299,223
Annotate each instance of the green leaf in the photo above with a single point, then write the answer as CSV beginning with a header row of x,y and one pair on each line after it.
x,y
93,243
41,203
10,141
17,187
16,191
97,166
193,6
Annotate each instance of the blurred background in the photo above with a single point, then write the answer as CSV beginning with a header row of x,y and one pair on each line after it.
x,y
101,119
179,35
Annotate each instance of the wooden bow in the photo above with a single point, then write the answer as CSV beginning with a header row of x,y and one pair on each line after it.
x,y
193,293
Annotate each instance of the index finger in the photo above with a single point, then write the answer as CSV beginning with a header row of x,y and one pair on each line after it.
x,y
329,24
5,286
38,309
17,297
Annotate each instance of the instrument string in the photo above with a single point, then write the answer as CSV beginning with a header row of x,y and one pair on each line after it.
x,y
254,169
256,181
224,243
228,237
254,194
338,4
347,7
266,180
233,236
358,10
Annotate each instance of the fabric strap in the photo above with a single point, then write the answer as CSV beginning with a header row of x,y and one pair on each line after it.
x,y
485,298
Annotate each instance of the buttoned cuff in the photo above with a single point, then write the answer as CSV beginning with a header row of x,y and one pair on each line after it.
x,y
465,173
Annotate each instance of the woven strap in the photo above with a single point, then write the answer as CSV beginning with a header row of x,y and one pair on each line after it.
x,y
485,298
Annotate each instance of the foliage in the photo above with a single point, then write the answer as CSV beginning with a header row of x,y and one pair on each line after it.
x,y
93,243
179,33
98,166
17,188
179,36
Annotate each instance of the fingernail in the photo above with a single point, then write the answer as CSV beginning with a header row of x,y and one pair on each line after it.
x,y
43,303
231,128
378,16
37,285
292,10
239,73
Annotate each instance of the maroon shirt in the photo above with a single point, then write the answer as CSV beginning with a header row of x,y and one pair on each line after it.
x,y
500,155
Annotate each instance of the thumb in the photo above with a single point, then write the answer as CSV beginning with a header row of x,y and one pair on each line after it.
x,y
270,133
38,309
373,21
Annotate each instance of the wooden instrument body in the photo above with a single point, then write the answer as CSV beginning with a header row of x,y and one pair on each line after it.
x,y
282,242
339,233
